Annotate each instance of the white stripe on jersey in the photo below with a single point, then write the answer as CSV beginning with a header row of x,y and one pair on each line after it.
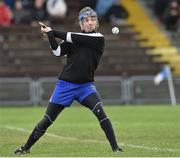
x,y
57,52
90,34
69,38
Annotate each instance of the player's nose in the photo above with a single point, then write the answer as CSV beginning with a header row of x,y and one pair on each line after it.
x,y
90,22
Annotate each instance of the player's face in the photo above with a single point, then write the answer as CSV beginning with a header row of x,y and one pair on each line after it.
x,y
89,24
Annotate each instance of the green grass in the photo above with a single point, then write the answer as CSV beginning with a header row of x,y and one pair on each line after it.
x,y
142,131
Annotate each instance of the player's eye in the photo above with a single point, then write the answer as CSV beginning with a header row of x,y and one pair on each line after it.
x,y
93,18
86,20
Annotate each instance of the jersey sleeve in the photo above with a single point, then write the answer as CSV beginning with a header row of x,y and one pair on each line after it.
x,y
64,47
94,40
57,49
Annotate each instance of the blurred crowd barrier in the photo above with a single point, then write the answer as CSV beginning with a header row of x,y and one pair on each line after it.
x,y
112,89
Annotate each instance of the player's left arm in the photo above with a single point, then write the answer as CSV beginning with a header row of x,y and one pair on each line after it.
x,y
95,40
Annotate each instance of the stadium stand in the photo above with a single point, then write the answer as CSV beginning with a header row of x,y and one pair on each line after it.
x,y
26,53
155,35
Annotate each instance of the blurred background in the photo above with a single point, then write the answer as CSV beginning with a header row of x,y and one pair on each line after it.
x,y
149,39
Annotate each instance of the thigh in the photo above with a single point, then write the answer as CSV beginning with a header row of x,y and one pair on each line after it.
x,y
85,90
94,103
91,101
53,111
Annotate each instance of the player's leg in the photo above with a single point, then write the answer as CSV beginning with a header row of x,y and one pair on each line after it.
x,y
51,114
94,103
61,97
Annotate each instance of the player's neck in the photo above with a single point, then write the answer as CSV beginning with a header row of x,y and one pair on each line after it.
x,y
88,32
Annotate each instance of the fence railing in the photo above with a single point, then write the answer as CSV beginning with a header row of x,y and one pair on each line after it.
x,y
112,89
16,91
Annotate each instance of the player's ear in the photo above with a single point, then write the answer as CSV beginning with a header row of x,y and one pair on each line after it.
x,y
97,24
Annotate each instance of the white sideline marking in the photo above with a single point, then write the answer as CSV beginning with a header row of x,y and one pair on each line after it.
x,y
94,141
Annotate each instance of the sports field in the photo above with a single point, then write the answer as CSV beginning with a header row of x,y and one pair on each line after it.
x,y
141,131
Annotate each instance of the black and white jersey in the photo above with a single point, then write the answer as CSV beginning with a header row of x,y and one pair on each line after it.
x,y
83,51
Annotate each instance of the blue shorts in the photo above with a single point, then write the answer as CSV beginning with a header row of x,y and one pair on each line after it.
x,y
66,92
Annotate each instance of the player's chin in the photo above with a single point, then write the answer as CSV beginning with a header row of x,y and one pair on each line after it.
x,y
90,30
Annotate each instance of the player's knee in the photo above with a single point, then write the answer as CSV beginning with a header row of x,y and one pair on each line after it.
x,y
99,112
44,123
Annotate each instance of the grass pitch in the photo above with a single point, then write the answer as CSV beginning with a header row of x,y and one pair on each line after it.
x,y
141,131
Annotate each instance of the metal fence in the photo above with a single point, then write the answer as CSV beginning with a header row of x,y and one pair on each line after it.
x,y
110,89
113,90
143,90
16,91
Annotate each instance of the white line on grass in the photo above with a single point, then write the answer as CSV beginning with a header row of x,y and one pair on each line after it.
x,y
94,141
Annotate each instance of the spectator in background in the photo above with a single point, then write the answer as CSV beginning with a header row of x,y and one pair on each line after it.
x,y
5,14
39,13
56,8
171,16
27,4
21,15
10,3
112,11
89,3
159,8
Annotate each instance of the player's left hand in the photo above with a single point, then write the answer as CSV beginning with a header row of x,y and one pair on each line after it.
x,y
45,30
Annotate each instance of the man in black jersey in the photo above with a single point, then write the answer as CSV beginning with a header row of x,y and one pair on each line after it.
x,y
75,82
